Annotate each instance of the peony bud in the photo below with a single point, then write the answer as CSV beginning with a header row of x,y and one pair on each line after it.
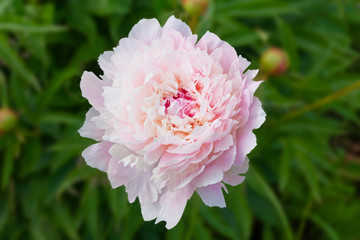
x,y
274,61
8,119
195,7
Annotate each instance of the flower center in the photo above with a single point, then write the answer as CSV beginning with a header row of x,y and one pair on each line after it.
x,y
180,105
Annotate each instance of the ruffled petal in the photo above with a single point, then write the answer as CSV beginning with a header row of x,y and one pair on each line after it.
x,y
212,195
97,155
106,64
136,181
176,24
169,207
89,129
146,30
257,115
246,141
232,176
214,172
210,42
91,88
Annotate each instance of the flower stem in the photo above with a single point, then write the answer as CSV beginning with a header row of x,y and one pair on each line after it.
x,y
303,220
327,99
3,91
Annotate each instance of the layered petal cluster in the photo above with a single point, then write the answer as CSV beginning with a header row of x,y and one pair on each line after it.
x,y
172,115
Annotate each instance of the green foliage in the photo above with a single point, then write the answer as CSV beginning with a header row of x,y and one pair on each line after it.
x,y
304,175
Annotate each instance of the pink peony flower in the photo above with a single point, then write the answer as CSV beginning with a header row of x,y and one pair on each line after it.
x,y
171,116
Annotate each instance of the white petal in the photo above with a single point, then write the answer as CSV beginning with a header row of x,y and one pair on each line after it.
x,y
91,88
257,115
212,195
106,64
146,30
97,155
169,207
136,181
154,156
232,176
89,129
246,141
178,25
244,63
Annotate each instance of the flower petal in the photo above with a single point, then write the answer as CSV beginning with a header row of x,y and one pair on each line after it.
x,y
210,42
89,129
91,88
169,207
257,115
178,25
214,172
212,195
146,30
232,176
97,155
136,181
106,64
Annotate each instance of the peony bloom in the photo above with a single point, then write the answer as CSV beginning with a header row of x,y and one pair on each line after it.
x,y
171,116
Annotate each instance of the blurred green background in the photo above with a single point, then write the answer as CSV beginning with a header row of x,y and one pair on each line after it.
x,y
304,177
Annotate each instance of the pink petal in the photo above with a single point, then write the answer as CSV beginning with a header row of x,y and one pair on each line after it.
x,y
209,42
224,143
118,174
154,156
169,207
106,65
136,181
257,115
119,151
115,103
146,30
91,88
129,46
89,130
97,155
232,176
178,25
243,63
212,195
140,186
214,172
251,74
246,141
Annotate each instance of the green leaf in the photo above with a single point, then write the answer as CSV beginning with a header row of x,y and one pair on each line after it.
x,y
27,28
201,231
287,39
259,184
309,172
237,203
285,160
255,8
91,202
31,156
11,57
65,220
76,175
60,118
7,163
213,219
325,226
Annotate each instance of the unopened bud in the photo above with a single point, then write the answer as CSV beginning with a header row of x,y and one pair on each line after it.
x,y
274,61
195,7
8,120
